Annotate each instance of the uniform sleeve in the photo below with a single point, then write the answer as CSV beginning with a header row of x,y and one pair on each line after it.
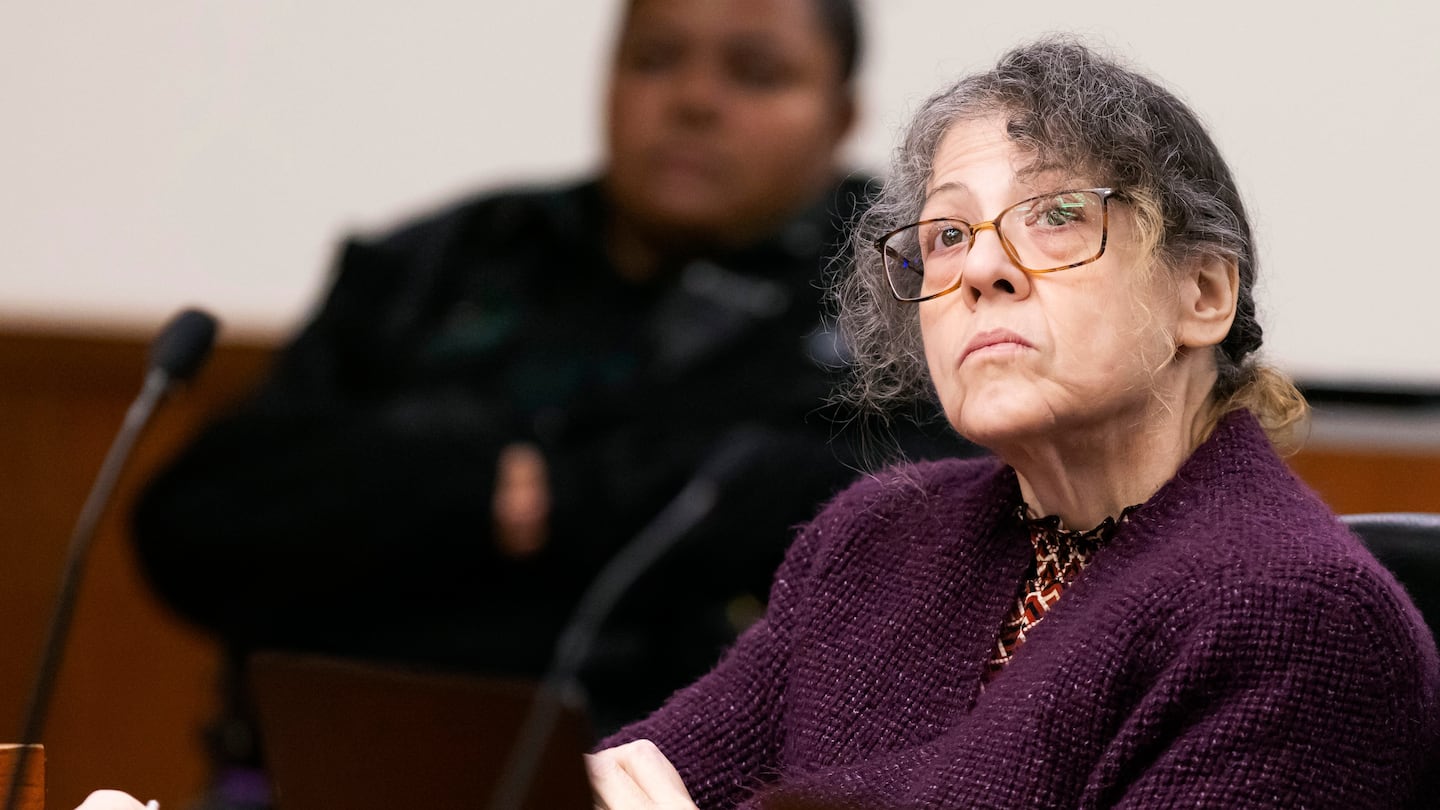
x,y
324,493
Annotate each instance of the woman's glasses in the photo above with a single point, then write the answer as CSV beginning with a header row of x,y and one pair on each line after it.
x,y
1054,231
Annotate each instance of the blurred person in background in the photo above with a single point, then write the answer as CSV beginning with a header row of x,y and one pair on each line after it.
x,y
495,397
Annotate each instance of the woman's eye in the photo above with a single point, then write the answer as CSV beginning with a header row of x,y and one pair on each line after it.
x,y
1057,212
949,236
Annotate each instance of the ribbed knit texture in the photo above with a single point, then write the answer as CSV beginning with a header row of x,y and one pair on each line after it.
x,y
1232,646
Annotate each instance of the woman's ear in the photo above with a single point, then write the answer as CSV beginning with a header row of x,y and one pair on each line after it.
x,y
1209,289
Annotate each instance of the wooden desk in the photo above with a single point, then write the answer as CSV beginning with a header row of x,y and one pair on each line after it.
x,y
32,783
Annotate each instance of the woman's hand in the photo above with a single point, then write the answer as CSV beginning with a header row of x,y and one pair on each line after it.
x,y
110,800
636,776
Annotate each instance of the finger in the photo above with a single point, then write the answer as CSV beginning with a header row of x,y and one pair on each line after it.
x,y
523,463
110,800
653,772
520,503
645,779
614,788
519,535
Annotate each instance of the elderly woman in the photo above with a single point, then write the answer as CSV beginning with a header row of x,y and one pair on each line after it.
x,y
1135,604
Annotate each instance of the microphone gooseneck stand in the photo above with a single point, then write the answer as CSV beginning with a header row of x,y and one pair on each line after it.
x,y
176,354
561,685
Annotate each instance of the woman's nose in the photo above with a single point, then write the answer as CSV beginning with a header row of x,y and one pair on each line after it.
x,y
989,271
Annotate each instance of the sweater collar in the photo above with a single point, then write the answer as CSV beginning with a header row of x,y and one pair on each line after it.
x,y
1236,450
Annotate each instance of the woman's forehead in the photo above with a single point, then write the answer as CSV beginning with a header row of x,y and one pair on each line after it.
x,y
976,153
1008,189
972,142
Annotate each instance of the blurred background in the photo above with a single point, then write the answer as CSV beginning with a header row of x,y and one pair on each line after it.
x,y
172,153
213,152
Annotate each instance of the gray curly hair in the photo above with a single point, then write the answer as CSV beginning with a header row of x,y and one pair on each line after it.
x,y
1069,108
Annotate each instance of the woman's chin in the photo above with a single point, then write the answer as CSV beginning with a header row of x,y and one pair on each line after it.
x,y
997,423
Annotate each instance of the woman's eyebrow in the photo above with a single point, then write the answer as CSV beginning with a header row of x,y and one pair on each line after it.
x,y
951,187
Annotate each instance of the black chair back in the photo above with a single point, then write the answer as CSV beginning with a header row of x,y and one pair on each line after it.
x,y
1408,543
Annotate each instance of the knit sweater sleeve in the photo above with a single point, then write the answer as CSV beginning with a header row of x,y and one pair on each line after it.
x,y
1264,692
723,733
1315,692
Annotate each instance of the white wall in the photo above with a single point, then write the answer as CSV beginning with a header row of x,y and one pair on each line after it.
x,y
212,152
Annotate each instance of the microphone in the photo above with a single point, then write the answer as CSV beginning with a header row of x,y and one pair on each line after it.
x,y
560,686
175,355
183,346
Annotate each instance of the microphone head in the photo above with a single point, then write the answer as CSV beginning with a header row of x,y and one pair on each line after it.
x,y
183,345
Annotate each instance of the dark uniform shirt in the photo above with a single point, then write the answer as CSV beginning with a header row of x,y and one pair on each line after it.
x,y
346,508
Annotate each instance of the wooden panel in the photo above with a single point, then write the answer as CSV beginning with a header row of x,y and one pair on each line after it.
x,y
1372,480
30,789
136,684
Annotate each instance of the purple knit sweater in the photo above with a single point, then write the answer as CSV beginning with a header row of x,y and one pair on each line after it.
x,y
1232,646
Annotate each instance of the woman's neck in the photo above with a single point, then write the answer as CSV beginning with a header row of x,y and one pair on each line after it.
x,y
1088,473
1084,484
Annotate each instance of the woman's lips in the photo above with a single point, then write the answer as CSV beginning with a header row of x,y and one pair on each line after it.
x,y
994,341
